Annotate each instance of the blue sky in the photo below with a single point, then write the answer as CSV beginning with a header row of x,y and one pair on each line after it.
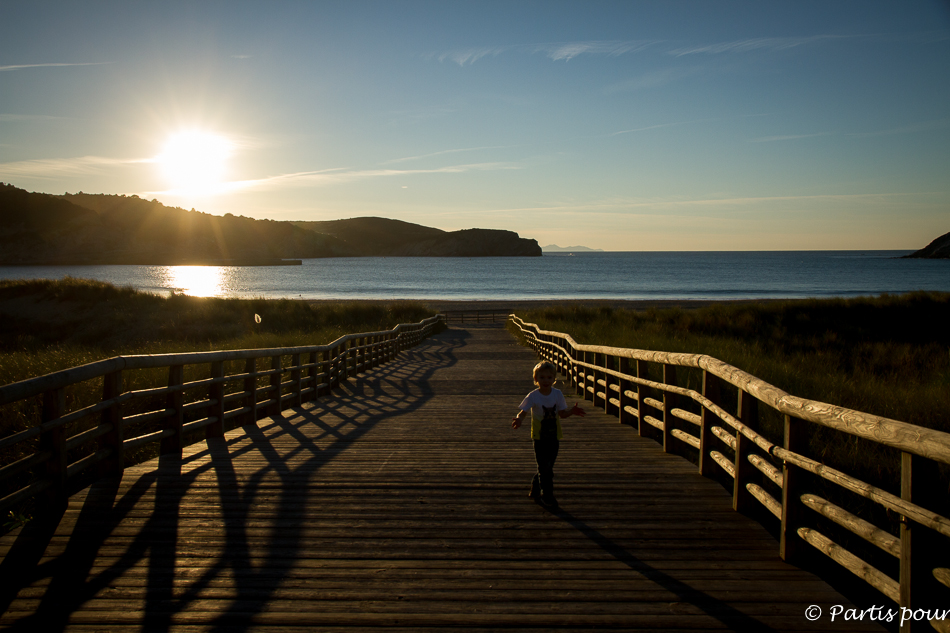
x,y
617,125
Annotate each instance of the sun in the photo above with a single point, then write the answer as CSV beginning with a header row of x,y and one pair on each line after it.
x,y
195,162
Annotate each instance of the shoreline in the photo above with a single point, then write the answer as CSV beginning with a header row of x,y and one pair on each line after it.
x,y
471,305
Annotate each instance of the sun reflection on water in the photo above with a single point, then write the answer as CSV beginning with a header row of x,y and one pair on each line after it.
x,y
197,281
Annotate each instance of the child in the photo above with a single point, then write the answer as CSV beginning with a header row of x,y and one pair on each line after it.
x,y
547,405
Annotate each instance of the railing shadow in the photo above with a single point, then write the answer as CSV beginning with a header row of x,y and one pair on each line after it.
x,y
730,617
256,568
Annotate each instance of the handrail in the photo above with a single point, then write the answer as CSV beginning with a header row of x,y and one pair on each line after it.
x,y
476,316
51,454
616,378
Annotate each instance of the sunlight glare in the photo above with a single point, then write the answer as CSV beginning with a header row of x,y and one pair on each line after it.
x,y
194,161
197,281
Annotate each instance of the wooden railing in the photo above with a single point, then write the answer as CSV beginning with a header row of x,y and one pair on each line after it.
x,y
476,316
725,439
52,456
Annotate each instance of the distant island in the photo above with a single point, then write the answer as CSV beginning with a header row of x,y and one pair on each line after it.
x,y
82,228
938,249
554,248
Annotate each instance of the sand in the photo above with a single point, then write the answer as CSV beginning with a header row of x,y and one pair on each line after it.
x,y
441,305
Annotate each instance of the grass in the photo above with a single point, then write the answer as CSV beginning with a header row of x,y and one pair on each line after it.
x,y
887,355
53,325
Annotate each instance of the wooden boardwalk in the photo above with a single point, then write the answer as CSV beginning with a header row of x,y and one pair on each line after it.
x,y
401,502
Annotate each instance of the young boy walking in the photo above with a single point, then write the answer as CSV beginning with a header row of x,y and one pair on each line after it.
x,y
547,407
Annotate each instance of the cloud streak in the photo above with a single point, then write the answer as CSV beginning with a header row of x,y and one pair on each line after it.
x,y
561,51
754,44
335,176
570,50
59,167
443,152
663,206
52,65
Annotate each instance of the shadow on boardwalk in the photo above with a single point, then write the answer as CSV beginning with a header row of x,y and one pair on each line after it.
x,y
400,502
62,555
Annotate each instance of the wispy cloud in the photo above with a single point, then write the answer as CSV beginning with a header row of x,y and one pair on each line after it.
x,y
336,176
754,44
55,65
652,79
443,152
925,126
58,167
789,137
664,206
469,56
569,50
8,118
658,126
558,51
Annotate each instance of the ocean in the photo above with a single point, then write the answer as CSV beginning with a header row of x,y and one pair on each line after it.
x,y
628,275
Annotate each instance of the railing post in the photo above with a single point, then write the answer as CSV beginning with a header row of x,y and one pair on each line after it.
x,y
595,398
216,395
54,442
610,362
711,391
112,388
275,379
748,410
171,444
313,376
345,361
642,392
669,401
590,379
791,545
623,415
921,547
297,376
250,390
326,357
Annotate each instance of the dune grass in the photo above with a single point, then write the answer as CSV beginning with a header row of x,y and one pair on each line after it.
x,y
51,325
887,355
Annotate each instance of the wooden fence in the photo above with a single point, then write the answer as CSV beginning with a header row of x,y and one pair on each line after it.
x,y
727,444
53,456
475,316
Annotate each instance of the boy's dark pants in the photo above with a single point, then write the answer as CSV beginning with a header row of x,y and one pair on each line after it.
x,y
545,452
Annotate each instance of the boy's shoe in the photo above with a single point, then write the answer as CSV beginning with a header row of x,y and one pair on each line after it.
x,y
534,493
549,501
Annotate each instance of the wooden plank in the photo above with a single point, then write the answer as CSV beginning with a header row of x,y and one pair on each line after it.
x,y
400,500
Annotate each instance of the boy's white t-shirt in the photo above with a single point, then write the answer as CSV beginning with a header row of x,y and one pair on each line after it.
x,y
544,408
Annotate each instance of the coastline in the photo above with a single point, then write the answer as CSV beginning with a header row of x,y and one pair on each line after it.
x,y
441,305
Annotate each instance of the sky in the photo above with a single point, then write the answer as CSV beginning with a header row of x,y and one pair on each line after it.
x,y
625,126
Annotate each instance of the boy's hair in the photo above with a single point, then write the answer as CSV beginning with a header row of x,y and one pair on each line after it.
x,y
545,364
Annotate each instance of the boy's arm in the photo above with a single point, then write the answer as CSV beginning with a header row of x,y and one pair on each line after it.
x,y
575,410
516,421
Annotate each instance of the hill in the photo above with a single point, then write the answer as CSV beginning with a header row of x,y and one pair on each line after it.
x,y
395,238
38,228
938,249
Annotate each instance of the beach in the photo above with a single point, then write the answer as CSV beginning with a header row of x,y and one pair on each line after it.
x,y
440,305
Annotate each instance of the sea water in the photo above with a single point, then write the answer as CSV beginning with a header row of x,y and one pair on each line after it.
x,y
635,275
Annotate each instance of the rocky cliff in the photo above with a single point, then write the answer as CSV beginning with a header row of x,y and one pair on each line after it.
x,y
938,249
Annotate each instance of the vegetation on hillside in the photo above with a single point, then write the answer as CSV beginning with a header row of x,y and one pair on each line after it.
x,y
38,228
